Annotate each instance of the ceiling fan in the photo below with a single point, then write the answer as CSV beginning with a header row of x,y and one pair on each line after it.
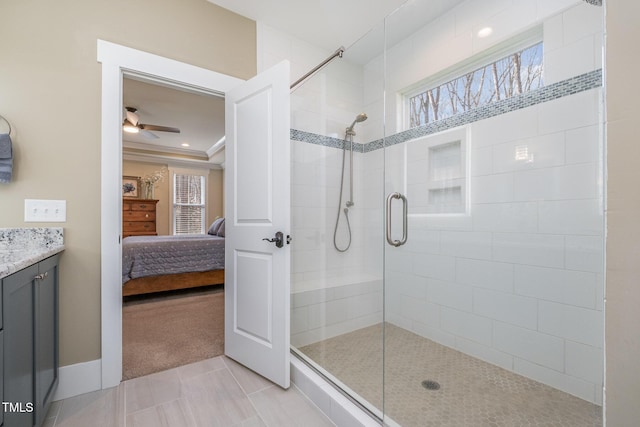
x,y
132,124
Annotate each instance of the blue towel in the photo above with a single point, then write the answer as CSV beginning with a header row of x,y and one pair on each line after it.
x,y
5,146
6,158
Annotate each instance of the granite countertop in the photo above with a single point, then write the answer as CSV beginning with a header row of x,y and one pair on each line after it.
x,y
22,247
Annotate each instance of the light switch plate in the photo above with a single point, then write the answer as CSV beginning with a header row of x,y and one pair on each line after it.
x,y
36,210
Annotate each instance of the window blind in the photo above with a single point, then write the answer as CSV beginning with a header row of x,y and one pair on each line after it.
x,y
188,203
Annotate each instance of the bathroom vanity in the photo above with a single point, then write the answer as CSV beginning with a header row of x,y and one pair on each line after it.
x,y
28,325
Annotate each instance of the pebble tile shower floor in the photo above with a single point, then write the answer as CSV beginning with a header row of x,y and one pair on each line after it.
x,y
472,393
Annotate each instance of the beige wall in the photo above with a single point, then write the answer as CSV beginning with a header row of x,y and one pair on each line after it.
x,y
163,195
623,215
50,85
215,194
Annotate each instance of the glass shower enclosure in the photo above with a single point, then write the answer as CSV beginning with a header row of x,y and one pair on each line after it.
x,y
472,206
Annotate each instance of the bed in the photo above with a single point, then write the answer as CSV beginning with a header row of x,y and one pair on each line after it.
x,y
161,263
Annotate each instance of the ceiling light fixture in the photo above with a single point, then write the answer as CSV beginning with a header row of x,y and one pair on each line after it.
x,y
130,127
485,32
184,144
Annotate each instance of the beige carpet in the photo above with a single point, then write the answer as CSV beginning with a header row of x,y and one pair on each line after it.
x,y
173,330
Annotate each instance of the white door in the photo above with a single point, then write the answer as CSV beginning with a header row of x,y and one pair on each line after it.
x,y
257,206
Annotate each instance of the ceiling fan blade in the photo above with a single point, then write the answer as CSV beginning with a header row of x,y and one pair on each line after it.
x,y
132,117
149,135
144,126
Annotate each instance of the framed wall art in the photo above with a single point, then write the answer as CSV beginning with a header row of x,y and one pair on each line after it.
x,y
131,187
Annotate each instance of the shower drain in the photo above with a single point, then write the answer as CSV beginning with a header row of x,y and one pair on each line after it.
x,y
431,385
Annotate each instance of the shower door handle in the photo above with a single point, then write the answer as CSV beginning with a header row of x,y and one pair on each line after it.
x,y
390,198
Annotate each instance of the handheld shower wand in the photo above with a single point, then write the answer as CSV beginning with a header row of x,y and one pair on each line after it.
x,y
349,134
359,118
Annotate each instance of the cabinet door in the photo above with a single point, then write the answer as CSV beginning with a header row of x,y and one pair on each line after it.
x,y
46,336
1,370
17,295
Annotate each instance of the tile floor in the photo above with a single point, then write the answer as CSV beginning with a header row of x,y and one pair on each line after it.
x,y
472,393
215,392
219,392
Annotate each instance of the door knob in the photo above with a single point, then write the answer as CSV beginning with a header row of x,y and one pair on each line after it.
x,y
278,239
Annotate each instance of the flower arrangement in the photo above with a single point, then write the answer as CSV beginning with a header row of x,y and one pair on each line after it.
x,y
151,180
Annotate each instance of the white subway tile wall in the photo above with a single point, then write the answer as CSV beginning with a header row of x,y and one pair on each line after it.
x,y
516,282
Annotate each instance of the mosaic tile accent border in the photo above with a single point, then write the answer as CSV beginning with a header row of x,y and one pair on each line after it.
x,y
571,86
314,138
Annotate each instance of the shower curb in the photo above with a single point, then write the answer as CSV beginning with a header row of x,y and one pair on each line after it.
x,y
340,410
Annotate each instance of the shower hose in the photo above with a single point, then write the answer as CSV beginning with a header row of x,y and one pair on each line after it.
x,y
346,210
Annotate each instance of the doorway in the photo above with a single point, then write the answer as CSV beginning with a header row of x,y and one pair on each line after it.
x,y
117,60
170,135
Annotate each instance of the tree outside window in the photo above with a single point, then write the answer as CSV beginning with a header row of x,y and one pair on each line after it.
x,y
512,75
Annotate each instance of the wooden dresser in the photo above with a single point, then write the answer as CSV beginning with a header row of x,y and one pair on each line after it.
x,y
138,217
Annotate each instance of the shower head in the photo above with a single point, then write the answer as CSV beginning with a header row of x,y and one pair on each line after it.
x,y
359,118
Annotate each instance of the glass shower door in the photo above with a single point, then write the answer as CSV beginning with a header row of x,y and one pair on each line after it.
x,y
494,218
336,281
426,198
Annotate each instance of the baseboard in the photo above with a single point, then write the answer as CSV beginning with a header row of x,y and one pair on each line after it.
x,y
79,379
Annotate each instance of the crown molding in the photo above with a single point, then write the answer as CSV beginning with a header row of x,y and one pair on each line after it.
x,y
170,161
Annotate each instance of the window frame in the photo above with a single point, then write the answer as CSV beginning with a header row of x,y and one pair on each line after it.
x,y
473,63
204,173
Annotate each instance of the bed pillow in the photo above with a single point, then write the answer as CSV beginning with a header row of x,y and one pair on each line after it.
x,y
221,229
215,226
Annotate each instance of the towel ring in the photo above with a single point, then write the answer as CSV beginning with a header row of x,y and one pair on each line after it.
x,y
7,122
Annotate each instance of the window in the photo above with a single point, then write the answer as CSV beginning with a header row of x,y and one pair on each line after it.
x,y
189,201
513,74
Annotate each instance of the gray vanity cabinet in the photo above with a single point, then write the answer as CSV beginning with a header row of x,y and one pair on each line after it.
x,y
17,301
45,311
30,353
1,360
